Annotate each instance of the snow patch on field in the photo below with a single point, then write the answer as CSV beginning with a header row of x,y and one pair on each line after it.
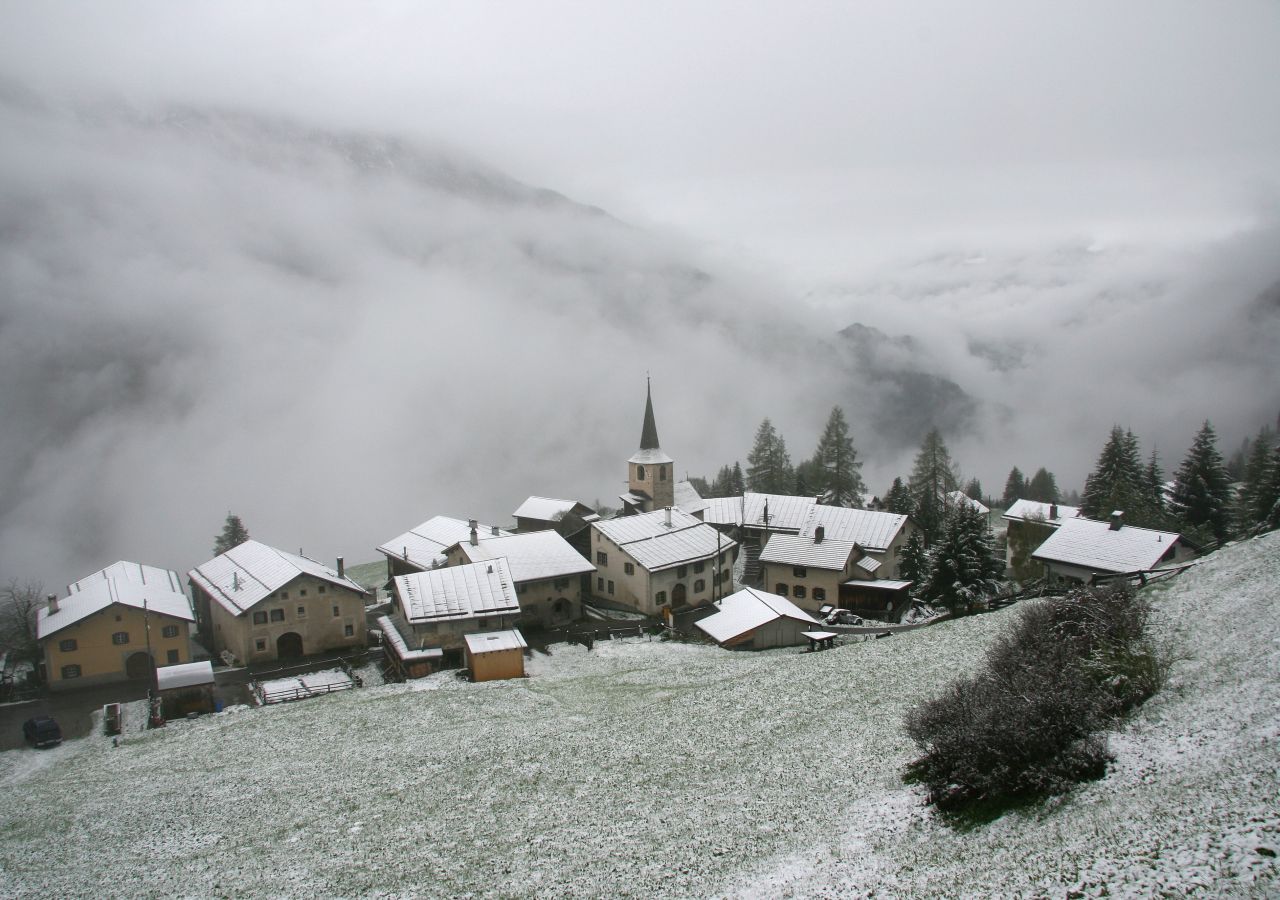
x,y
649,768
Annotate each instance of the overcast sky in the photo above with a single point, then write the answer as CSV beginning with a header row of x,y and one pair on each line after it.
x,y
964,173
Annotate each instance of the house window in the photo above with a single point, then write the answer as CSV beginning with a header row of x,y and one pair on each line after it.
x,y
699,566
169,631
780,589
260,644
260,618
336,612
820,594
660,598
700,585
302,612
319,589
302,593
599,584
610,587
172,657
800,572
119,618
120,637
629,568
349,630
284,595
799,592
67,645
639,473
662,473
602,558
72,671
277,615
681,571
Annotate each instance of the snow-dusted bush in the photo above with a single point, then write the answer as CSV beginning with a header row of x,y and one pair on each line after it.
x,y
1027,724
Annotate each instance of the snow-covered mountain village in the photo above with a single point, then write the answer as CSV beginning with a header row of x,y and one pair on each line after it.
x,y
686,695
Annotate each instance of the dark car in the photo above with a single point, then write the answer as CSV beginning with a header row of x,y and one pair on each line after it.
x,y
843,617
42,731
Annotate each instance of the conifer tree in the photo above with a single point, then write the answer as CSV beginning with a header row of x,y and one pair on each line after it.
x,y
898,499
1043,487
233,535
973,490
1116,481
914,564
1250,502
963,565
838,469
1015,487
1153,481
769,469
932,477
739,482
1267,499
1201,491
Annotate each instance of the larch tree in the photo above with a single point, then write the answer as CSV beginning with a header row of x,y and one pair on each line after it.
x,y
1015,487
839,469
233,535
1201,490
932,477
769,469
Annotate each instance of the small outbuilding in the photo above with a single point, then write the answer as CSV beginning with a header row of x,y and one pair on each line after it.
x,y
494,655
755,620
186,689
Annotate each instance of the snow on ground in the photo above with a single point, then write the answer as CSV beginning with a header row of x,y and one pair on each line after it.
x,y
651,768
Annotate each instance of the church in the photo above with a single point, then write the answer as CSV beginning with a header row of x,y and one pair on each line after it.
x,y
651,483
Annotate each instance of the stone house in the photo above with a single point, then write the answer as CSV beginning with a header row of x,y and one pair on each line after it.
x,y
1082,549
568,518
436,609
821,571
262,604
422,548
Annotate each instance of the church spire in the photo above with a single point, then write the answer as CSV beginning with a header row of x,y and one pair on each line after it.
x,y
649,434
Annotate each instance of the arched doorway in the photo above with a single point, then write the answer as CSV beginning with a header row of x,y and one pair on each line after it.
x,y
561,610
289,645
139,666
679,594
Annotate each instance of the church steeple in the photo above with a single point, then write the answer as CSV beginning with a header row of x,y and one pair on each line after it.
x,y
649,433
650,472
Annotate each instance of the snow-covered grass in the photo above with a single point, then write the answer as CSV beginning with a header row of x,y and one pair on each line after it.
x,y
648,768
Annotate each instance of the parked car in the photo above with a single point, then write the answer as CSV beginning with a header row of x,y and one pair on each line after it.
x,y
843,617
42,731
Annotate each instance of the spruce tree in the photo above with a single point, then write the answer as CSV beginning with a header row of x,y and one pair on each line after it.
x,y
1116,481
1153,481
914,564
963,565
1015,487
973,490
898,499
1201,490
233,535
769,469
838,469
932,477
1267,499
1249,502
1043,487
739,482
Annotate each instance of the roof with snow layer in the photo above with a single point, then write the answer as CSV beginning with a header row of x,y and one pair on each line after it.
x,y
458,592
748,609
249,573
1093,545
424,545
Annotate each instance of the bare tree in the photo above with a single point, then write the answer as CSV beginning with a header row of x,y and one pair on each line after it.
x,y
19,605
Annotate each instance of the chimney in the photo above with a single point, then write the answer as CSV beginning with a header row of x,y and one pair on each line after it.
x,y
666,519
1053,510
818,534
1117,520
475,532
342,568
53,603
404,552
495,529
235,581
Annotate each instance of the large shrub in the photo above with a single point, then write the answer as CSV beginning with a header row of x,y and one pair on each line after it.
x,y
1028,724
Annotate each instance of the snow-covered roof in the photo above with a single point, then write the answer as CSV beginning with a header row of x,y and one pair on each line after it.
x,y
688,499
185,675
549,509
458,592
879,584
1093,545
960,498
869,564
656,546
653,456
794,550
631,498
249,573
96,595
132,571
723,511
746,610
786,513
1022,510
873,530
532,556
393,636
494,641
424,545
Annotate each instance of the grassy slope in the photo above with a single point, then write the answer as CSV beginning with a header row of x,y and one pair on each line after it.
x,y
653,768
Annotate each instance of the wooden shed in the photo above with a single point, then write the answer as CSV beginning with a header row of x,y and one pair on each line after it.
x,y
186,689
754,620
496,654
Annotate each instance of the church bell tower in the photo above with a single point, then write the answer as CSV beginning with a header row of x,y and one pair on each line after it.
x,y
650,472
